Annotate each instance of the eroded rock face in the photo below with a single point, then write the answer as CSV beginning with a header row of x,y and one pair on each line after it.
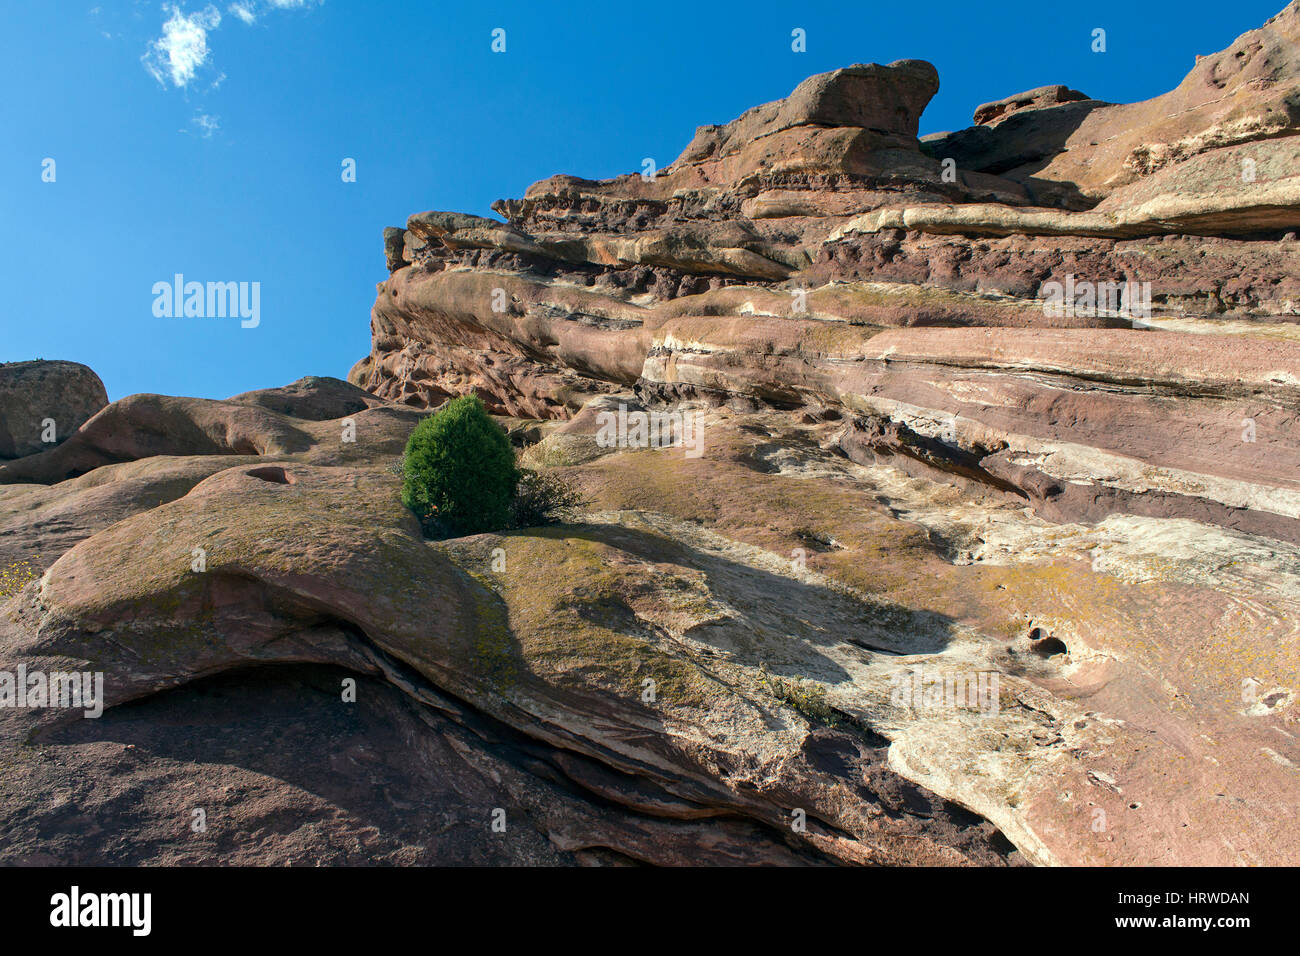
x,y
944,575
1248,93
524,691
991,113
774,264
42,403
818,265
144,426
713,650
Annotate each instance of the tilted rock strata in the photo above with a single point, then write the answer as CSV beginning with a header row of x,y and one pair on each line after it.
x,y
524,687
765,263
908,467
1248,93
830,268
532,676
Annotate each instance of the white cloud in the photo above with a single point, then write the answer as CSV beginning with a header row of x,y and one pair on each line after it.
x,y
183,48
205,124
181,53
249,10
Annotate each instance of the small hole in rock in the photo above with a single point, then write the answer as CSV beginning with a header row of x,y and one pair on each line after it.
x,y
1049,647
273,474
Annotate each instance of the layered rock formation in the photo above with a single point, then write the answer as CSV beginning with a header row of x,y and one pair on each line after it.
x,y
1245,96
926,458
283,560
788,257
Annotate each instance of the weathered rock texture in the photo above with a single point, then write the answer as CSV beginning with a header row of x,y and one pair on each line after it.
x,y
992,113
521,689
42,403
812,251
1248,93
909,467
812,261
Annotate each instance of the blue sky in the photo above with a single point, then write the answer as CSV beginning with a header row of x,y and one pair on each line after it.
x,y
208,139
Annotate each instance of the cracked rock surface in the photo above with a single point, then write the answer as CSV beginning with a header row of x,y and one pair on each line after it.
x,y
951,578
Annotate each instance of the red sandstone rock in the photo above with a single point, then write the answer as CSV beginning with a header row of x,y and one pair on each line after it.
x,y
42,403
907,464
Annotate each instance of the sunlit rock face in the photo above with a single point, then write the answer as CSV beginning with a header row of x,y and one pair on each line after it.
x,y
43,402
941,508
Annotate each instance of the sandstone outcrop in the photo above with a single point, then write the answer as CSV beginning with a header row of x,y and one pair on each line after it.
x,y
990,114
774,263
1247,93
523,691
828,268
42,403
1019,432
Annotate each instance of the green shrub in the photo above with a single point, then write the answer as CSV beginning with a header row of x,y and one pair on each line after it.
x,y
460,473
543,498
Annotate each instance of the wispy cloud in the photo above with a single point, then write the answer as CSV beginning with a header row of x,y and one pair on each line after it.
x,y
205,125
248,11
244,11
182,50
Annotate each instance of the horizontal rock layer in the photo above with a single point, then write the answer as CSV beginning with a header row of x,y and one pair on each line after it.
x,y
1080,313
914,460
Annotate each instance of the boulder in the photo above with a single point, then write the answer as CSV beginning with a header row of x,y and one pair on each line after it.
x,y
45,399
990,114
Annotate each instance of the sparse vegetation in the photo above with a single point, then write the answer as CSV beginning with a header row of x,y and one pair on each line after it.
x,y
543,498
15,577
460,477
459,471
806,697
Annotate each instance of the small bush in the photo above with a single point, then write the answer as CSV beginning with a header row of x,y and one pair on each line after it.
x,y
543,498
806,697
460,472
